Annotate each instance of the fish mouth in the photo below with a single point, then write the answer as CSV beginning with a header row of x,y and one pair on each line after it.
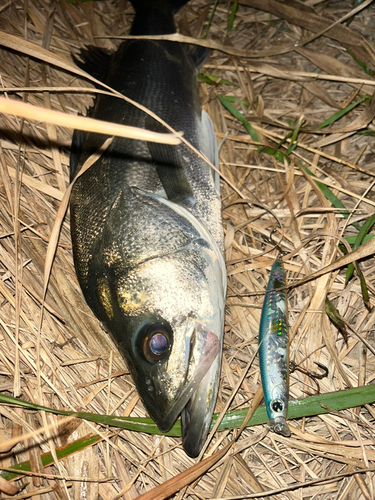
x,y
279,426
197,398
196,417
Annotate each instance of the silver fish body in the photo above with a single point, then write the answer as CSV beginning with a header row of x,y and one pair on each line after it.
x,y
273,351
147,231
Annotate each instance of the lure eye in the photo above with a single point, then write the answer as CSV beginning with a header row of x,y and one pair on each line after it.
x,y
277,405
156,342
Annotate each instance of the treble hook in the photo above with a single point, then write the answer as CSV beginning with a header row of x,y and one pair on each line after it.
x,y
318,375
310,373
274,243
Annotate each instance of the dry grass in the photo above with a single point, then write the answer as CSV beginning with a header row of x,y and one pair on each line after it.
x,y
68,362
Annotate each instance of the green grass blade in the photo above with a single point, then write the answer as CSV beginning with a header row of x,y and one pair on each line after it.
x,y
279,155
339,114
129,423
232,16
330,196
283,141
232,98
364,66
239,116
47,459
336,319
307,407
366,132
293,143
291,148
351,239
363,231
364,289
298,408
359,239
284,156
210,19
214,80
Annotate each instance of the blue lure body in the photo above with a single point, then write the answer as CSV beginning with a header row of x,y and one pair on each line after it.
x,y
273,351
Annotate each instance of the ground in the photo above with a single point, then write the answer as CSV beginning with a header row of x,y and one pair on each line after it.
x,y
292,106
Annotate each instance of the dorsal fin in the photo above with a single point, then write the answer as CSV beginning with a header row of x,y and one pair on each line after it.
x,y
173,5
75,152
210,148
95,61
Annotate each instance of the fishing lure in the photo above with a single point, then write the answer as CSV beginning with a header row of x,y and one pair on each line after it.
x,y
273,351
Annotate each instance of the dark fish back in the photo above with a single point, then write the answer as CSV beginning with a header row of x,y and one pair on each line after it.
x,y
161,76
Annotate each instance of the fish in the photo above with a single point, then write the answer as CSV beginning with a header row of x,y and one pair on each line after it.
x,y
273,350
146,225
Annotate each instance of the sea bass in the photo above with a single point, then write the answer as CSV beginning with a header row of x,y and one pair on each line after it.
x,y
273,350
146,226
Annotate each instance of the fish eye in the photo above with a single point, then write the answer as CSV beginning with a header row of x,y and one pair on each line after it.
x,y
156,342
277,405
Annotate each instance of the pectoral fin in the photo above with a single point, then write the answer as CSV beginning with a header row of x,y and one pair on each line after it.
x,y
210,148
169,166
199,55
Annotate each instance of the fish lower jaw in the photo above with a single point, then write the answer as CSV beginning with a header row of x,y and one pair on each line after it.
x,y
196,399
279,426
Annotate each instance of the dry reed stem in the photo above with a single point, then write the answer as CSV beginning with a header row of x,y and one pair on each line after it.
x,y
39,114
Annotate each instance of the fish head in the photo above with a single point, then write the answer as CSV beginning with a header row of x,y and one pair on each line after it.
x,y
279,426
277,409
169,325
166,314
